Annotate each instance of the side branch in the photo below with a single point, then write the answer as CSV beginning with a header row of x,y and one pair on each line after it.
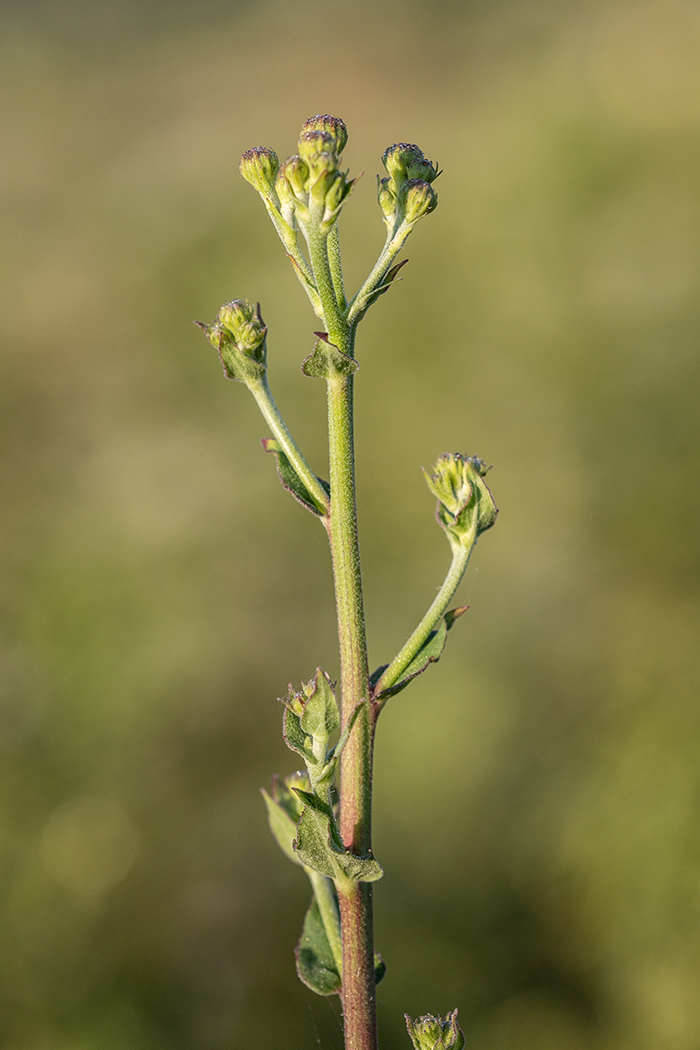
x,y
460,560
263,396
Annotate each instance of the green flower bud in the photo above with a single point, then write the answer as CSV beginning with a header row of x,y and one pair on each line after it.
x,y
465,505
332,126
243,323
259,167
405,161
315,705
239,334
337,193
286,197
296,171
434,1033
386,198
416,199
318,150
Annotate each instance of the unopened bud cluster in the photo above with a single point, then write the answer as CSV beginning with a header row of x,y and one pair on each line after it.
x,y
465,504
239,334
310,716
435,1033
407,194
310,186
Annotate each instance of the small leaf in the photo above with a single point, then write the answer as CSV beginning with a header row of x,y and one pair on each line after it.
x,y
321,716
320,846
379,968
282,827
314,958
376,675
327,360
291,480
294,736
429,653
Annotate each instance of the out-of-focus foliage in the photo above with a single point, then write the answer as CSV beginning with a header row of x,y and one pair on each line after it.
x,y
160,589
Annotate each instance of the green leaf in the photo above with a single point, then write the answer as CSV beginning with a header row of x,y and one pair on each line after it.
x,y
282,827
334,755
294,736
327,360
291,480
429,653
319,845
321,716
314,958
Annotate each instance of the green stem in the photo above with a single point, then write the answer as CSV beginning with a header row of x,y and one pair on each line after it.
x,y
302,269
328,909
336,266
263,396
392,247
355,901
460,560
336,326
359,995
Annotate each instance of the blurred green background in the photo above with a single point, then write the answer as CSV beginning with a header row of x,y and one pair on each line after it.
x,y
538,792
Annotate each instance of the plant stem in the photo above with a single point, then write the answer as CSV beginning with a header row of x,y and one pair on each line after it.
x,y
328,909
289,239
460,560
336,266
266,403
359,995
359,986
392,247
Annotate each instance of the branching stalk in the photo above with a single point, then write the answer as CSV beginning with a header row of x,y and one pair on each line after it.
x,y
335,846
394,244
266,403
358,994
460,560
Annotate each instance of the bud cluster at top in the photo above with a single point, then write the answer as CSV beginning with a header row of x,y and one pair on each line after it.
x,y
465,504
434,1033
407,194
310,186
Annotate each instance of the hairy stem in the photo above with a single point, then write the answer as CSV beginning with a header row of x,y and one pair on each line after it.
x,y
355,900
328,909
460,560
266,403
392,247
336,266
359,1005
289,239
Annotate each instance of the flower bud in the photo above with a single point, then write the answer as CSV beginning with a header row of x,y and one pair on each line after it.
x,y
386,198
242,322
296,171
417,198
259,167
318,150
337,193
465,505
332,126
405,161
239,334
286,197
434,1033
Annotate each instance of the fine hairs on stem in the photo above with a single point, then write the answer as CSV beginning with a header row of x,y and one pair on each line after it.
x,y
322,817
